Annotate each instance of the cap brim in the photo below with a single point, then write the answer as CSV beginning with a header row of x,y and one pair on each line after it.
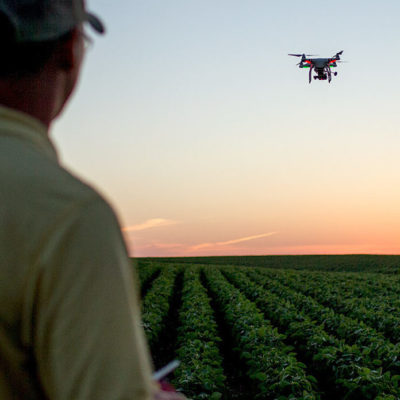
x,y
95,23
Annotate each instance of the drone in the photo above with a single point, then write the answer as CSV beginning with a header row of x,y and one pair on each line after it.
x,y
322,66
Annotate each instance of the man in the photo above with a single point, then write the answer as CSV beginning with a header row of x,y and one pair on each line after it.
x,y
69,315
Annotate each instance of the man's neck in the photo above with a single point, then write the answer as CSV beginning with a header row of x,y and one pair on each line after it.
x,y
35,96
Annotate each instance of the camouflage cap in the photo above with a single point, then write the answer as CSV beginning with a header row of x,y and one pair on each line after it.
x,y
42,20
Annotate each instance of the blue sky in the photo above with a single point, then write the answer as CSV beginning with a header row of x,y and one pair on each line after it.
x,y
191,112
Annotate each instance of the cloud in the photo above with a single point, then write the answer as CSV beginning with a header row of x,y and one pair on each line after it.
x,y
229,242
149,224
162,249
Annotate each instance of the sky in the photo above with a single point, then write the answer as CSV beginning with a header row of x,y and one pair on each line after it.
x,y
207,139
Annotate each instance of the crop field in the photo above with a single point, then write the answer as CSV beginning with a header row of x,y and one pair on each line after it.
x,y
253,332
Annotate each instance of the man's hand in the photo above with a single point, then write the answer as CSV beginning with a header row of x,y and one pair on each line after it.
x,y
168,396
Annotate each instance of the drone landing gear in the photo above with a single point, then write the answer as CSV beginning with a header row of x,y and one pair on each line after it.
x,y
328,74
309,76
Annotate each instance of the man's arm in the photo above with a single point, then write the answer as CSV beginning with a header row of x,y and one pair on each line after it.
x,y
88,341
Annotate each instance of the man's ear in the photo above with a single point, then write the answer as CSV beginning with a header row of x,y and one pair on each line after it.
x,y
69,50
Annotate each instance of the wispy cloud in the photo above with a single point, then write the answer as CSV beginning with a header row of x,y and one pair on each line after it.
x,y
230,242
165,249
149,224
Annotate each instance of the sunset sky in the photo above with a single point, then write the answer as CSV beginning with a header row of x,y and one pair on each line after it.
x,y
206,137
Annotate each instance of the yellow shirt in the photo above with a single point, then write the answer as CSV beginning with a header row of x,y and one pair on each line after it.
x,y
69,314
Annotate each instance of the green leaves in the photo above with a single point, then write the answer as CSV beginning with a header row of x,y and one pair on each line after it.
x,y
349,369
271,365
200,375
339,325
155,305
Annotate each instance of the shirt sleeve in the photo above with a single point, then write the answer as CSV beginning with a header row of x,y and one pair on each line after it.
x,y
88,339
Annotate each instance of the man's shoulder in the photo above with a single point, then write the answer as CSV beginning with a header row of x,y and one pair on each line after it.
x,y
30,174
39,190
68,194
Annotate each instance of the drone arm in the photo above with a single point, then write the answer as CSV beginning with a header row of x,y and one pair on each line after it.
x,y
337,56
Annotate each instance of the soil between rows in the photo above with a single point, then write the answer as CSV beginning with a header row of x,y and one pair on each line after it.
x,y
237,383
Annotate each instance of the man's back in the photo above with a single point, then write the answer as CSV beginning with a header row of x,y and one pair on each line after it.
x,y
69,314
65,288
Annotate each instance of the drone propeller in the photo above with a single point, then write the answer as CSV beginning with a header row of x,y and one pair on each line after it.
x,y
303,55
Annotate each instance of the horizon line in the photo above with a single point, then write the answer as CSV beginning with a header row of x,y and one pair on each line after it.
x,y
275,255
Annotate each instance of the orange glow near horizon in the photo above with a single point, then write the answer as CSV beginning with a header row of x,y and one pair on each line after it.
x,y
179,250
164,241
319,206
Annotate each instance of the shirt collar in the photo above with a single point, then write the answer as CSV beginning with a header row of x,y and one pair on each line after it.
x,y
17,124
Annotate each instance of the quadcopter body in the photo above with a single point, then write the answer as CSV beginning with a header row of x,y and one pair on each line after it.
x,y
322,66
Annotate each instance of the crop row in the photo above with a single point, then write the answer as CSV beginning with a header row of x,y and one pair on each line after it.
x,y
375,290
200,375
352,331
325,292
272,368
347,370
146,271
356,263
156,304
350,359
372,284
